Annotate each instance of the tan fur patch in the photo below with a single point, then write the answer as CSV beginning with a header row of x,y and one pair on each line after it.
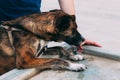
x,y
6,49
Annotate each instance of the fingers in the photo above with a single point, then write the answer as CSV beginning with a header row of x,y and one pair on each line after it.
x,y
93,43
89,42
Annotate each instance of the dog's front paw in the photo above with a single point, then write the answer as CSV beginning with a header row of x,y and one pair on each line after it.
x,y
76,57
76,67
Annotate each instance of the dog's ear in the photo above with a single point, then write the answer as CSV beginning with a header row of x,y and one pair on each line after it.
x,y
54,10
63,22
73,17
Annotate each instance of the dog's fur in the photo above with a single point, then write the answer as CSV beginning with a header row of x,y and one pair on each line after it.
x,y
54,25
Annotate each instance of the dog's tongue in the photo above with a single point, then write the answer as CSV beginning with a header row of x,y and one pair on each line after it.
x,y
80,49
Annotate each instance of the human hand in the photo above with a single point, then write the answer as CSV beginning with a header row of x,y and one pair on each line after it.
x,y
88,42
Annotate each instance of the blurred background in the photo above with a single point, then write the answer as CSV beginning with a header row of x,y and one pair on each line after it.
x,y
98,20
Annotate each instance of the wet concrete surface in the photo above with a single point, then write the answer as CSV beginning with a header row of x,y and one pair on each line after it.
x,y
97,69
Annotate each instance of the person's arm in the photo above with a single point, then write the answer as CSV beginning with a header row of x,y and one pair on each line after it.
x,y
67,6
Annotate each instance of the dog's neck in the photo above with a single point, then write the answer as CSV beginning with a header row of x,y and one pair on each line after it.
x,y
43,47
9,31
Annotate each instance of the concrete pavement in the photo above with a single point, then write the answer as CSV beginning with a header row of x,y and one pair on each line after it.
x,y
99,20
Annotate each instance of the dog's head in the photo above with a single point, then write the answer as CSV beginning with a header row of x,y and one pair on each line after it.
x,y
67,30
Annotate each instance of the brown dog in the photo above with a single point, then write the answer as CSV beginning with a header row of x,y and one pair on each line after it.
x,y
35,30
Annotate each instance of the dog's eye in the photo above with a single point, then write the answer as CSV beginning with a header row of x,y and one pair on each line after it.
x,y
66,25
